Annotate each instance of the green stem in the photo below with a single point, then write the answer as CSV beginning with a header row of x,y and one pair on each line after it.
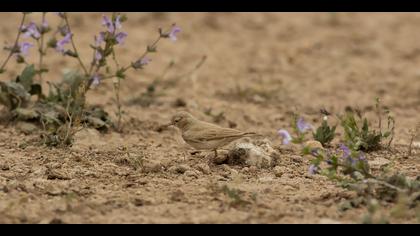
x,y
15,44
117,97
74,46
144,54
41,50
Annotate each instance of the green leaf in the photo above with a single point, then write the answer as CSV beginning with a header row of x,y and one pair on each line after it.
x,y
386,134
27,76
36,89
120,74
151,48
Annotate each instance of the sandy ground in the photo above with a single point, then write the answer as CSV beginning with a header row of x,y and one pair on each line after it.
x,y
260,68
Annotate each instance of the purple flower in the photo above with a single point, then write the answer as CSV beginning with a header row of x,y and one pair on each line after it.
x,y
285,135
352,161
141,62
118,22
145,61
98,55
174,31
64,30
120,37
24,48
31,31
315,152
60,44
96,80
45,24
108,24
362,156
60,14
346,151
313,169
100,39
302,125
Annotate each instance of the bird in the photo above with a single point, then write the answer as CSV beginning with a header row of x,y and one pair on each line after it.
x,y
202,135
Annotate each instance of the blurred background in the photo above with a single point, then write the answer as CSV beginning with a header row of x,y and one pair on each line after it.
x,y
285,61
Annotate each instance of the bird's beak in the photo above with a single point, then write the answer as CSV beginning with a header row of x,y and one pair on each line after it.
x,y
169,124
163,127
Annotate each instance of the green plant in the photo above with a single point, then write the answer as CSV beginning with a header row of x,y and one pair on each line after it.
x,y
324,133
64,110
359,136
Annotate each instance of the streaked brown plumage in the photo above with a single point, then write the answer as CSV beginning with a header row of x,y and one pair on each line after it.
x,y
205,136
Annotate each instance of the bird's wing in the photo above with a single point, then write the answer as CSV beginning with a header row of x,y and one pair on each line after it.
x,y
212,132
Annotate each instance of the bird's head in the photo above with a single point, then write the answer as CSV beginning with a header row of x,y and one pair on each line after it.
x,y
182,119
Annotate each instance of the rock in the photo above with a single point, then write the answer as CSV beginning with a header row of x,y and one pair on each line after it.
x,y
56,174
179,169
96,122
4,166
378,162
313,144
178,196
141,202
289,188
220,159
152,166
266,179
250,155
252,169
53,190
191,173
278,171
234,172
328,221
26,113
26,127
204,168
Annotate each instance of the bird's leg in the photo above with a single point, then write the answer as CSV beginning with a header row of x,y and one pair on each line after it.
x,y
215,152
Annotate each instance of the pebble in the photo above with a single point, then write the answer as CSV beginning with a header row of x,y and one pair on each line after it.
x,y
178,169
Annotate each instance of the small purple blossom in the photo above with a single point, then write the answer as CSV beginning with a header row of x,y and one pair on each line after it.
x,y
141,62
44,26
64,30
118,22
313,169
60,14
108,24
96,79
145,60
120,37
315,152
98,55
31,31
174,31
100,39
24,48
362,156
285,135
352,161
60,44
302,125
346,151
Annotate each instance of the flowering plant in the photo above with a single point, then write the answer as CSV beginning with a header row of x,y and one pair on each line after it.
x,y
70,95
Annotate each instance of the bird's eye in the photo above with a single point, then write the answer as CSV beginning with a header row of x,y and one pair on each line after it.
x,y
177,119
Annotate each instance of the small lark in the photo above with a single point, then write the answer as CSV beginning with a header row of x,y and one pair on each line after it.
x,y
205,136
